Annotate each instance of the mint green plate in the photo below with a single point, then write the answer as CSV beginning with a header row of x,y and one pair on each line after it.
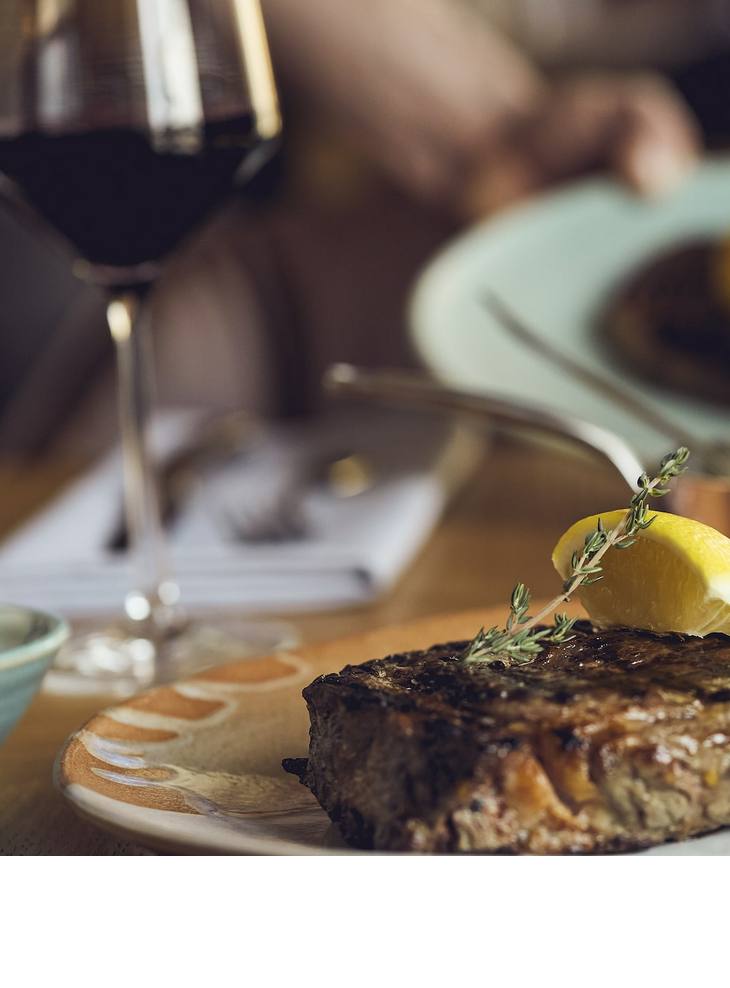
x,y
557,261
29,641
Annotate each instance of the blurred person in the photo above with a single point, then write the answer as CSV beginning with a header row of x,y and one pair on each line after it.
x,y
404,120
622,34
449,106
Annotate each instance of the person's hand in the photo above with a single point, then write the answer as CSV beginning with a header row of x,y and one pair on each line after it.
x,y
462,119
634,125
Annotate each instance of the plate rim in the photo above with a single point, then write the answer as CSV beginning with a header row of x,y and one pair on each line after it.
x,y
445,285
94,807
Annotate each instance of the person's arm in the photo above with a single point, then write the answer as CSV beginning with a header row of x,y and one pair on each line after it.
x,y
458,115
633,124
421,85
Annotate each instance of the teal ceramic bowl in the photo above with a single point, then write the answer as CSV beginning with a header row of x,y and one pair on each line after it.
x,y
28,642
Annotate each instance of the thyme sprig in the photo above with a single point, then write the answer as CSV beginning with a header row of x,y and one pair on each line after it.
x,y
521,639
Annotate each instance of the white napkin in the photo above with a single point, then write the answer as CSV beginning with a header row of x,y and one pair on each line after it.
x,y
354,548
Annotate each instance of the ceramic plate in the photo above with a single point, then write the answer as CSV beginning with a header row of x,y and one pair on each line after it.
x,y
196,767
557,262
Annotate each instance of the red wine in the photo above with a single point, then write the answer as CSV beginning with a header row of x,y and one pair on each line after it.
x,y
113,197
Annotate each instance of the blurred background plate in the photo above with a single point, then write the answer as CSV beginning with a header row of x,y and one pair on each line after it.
x,y
558,262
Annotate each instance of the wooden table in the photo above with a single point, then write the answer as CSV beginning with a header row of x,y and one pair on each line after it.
x,y
500,530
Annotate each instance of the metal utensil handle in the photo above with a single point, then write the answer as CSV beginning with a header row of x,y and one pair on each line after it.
x,y
714,456
414,389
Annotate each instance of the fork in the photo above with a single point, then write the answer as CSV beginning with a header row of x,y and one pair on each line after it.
x,y
282,516
278,519
714,455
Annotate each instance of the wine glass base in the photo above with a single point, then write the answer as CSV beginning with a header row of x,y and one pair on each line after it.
x,y
115,661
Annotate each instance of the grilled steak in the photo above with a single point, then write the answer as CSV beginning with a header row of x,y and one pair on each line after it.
x,y
613,741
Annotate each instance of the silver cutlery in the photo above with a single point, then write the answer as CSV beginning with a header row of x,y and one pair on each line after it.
x,y
695,494
280,516
713,457
414,389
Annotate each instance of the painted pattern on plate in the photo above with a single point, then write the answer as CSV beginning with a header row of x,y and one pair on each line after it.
x,y
169,749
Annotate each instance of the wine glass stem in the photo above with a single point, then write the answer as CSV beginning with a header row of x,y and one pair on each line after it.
x,y
151,604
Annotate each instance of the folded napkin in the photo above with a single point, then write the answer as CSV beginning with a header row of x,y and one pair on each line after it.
x,y
352,548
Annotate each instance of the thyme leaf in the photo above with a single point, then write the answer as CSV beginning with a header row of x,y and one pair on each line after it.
x,y
523,636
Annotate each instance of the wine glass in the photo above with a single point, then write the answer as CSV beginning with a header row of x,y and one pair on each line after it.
x,y
123,124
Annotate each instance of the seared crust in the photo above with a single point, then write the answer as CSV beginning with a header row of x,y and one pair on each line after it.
x,y
614,741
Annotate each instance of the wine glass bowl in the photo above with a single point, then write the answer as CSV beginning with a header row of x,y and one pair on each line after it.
x,y
123,125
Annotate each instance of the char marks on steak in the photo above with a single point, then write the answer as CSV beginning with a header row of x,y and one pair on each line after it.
x,y
616,740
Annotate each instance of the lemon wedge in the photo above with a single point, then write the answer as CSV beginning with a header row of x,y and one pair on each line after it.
x,y
675,577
